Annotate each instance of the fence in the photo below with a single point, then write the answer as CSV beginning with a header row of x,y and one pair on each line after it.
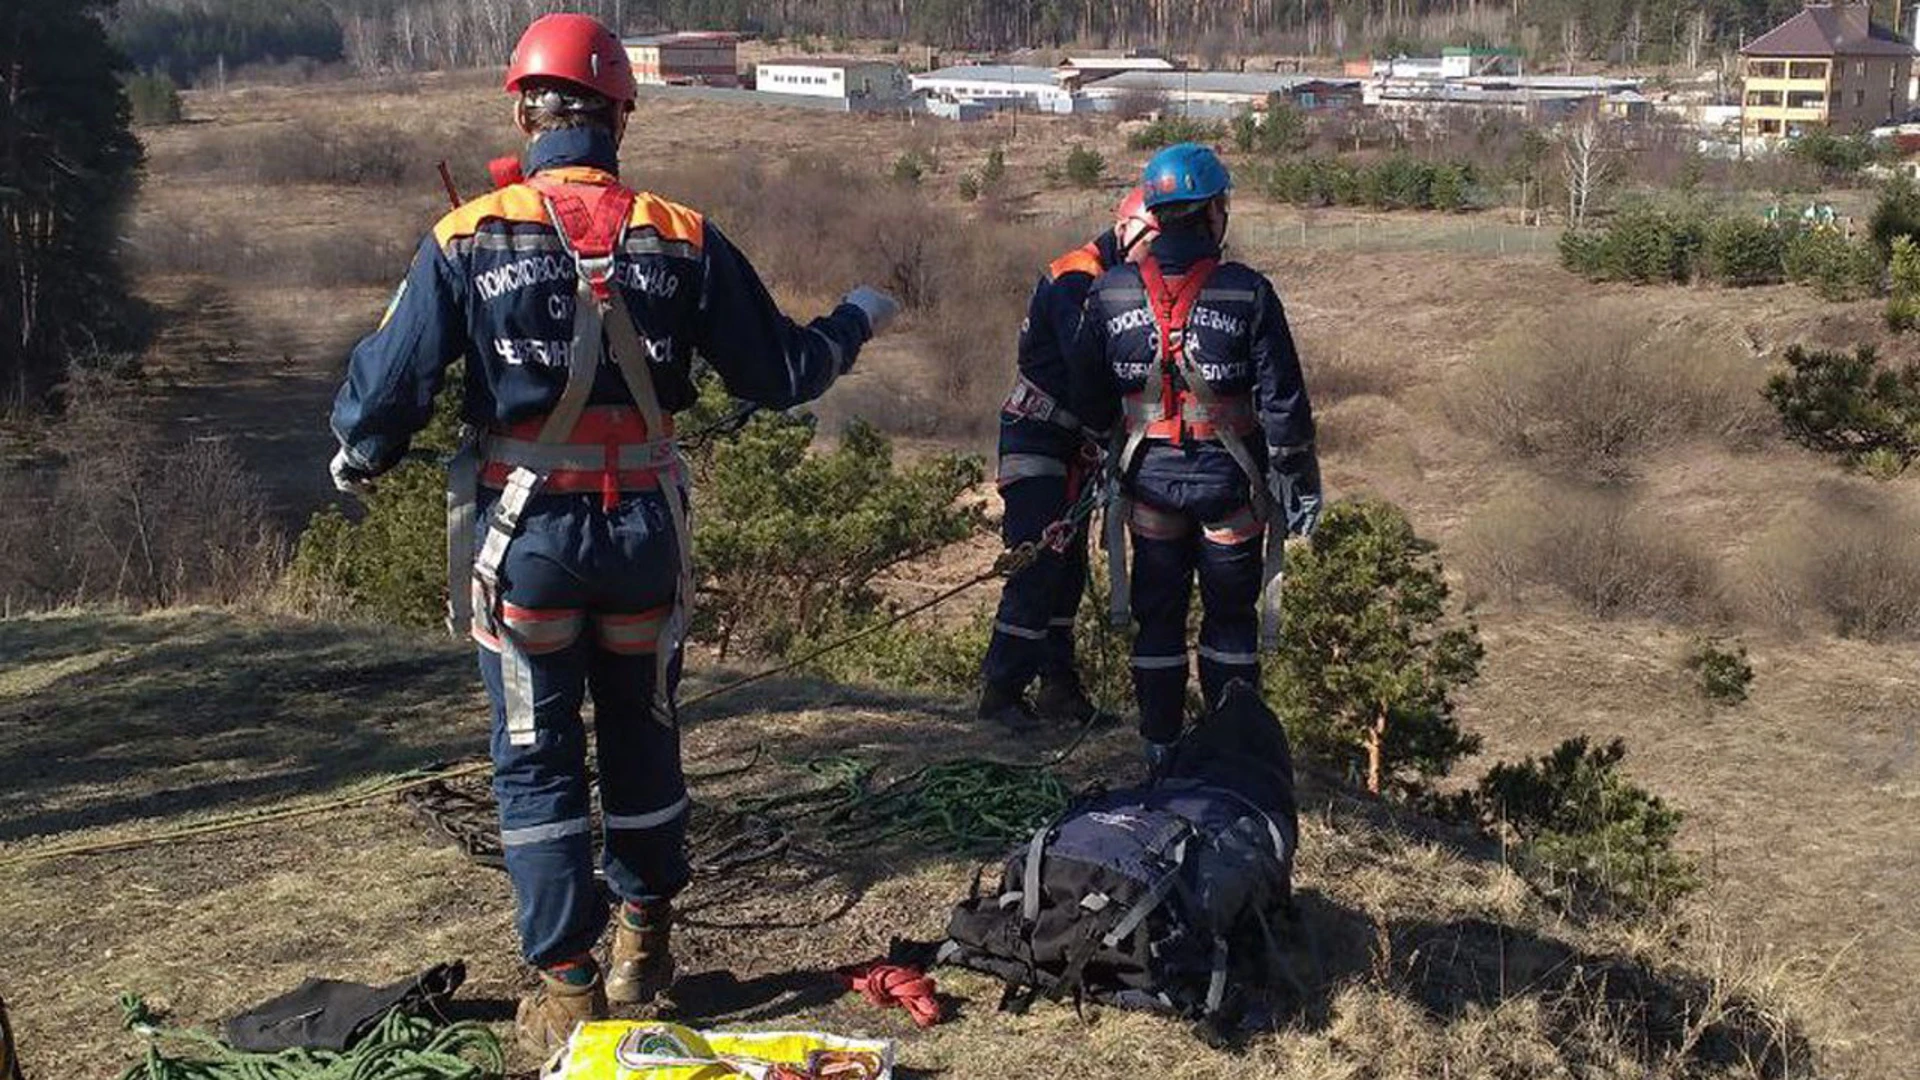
x,y
1464,233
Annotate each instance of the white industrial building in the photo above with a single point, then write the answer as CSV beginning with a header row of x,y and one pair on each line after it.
x,y
1221,92
858,83
995,85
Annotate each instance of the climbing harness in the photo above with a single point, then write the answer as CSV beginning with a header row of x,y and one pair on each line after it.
x,y
1187,406
574,449
402,1047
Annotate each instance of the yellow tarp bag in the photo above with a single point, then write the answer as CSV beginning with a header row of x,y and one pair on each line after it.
x,y
635,1050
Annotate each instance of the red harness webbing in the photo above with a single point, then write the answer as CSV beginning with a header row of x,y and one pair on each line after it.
x,y
1172,305
594,218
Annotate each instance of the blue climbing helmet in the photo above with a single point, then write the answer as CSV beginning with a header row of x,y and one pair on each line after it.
x,y
1184,172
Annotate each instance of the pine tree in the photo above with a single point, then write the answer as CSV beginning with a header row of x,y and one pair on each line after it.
x,y
1371,658
68,168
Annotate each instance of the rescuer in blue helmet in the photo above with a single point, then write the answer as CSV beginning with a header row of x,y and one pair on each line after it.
x,y
1186,360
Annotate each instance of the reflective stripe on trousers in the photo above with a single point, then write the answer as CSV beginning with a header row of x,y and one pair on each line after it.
x,y
1164,568
585,600
1033,626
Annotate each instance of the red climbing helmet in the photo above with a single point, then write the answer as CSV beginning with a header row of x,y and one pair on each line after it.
x,y
1133,223
575,49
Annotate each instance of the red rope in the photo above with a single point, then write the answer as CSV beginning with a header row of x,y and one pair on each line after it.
x,y
889,984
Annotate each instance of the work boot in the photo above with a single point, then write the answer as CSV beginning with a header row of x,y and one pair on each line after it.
x,y
568,995
640,966
1062,700
1007,706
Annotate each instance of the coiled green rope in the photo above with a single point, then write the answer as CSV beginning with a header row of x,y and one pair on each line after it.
x,y
965,806
402,1047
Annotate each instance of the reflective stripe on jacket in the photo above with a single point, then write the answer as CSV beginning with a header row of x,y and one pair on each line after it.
x,y
494,283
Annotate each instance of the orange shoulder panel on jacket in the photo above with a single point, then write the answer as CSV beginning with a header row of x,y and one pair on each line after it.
x,y
515,202
1081,260
671,220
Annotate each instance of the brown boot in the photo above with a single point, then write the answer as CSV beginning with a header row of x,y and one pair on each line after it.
x,y
548,1015
641,964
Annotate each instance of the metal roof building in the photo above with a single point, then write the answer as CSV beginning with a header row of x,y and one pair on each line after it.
x,y
997,85
1222,92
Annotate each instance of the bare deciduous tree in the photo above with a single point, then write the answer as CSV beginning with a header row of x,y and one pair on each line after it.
x,y
1585,162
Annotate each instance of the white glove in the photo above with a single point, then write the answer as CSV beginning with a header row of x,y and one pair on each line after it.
x,y
349,478
878,307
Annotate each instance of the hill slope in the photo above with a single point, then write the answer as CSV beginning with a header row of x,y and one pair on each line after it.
x,y
1433,958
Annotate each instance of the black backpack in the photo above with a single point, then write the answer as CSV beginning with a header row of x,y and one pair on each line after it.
x,y
1168,897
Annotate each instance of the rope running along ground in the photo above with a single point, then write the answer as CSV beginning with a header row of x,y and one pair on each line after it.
x,y
1010,561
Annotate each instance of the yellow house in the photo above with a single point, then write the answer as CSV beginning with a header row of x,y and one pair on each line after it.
x,y
1828,66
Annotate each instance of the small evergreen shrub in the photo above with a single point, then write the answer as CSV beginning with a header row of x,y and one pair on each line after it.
x,y
1583,831
1850,405
1722,671
153,98
1085,167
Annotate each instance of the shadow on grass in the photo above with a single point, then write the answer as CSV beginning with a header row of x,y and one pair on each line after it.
x,y
202,710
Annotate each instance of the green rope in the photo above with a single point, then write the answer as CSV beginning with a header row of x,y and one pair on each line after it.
x,y
963,806
400,1047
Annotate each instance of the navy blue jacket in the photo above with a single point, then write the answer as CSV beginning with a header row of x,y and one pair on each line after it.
x,y
492,283
1052,322
1237,333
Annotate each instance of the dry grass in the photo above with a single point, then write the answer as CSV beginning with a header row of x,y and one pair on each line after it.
x,y
814,228
1422,957
1850,560
1590,392
1602,549
126,515
346,255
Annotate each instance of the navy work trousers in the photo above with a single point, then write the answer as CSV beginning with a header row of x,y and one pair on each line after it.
x,y
1033,627
586,594
1191,516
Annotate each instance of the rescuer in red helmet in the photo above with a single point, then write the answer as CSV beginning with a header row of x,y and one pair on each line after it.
x,y
579,304
1045,458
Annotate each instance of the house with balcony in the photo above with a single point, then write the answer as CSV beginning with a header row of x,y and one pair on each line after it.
x,y
1829,66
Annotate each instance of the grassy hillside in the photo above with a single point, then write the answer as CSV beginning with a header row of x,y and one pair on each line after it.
x,y
1422,953
1457,371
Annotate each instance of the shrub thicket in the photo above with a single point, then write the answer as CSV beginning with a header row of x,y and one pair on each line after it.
x,y
1643,244
124,514
1742,251
1852,560
1591,394
1648,244
1165,131
1850,405
790,537
907,170
1839,158
1897,213
1280,129
1833,266
1584,831
1399,182
995,168
1597,548
1371,657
